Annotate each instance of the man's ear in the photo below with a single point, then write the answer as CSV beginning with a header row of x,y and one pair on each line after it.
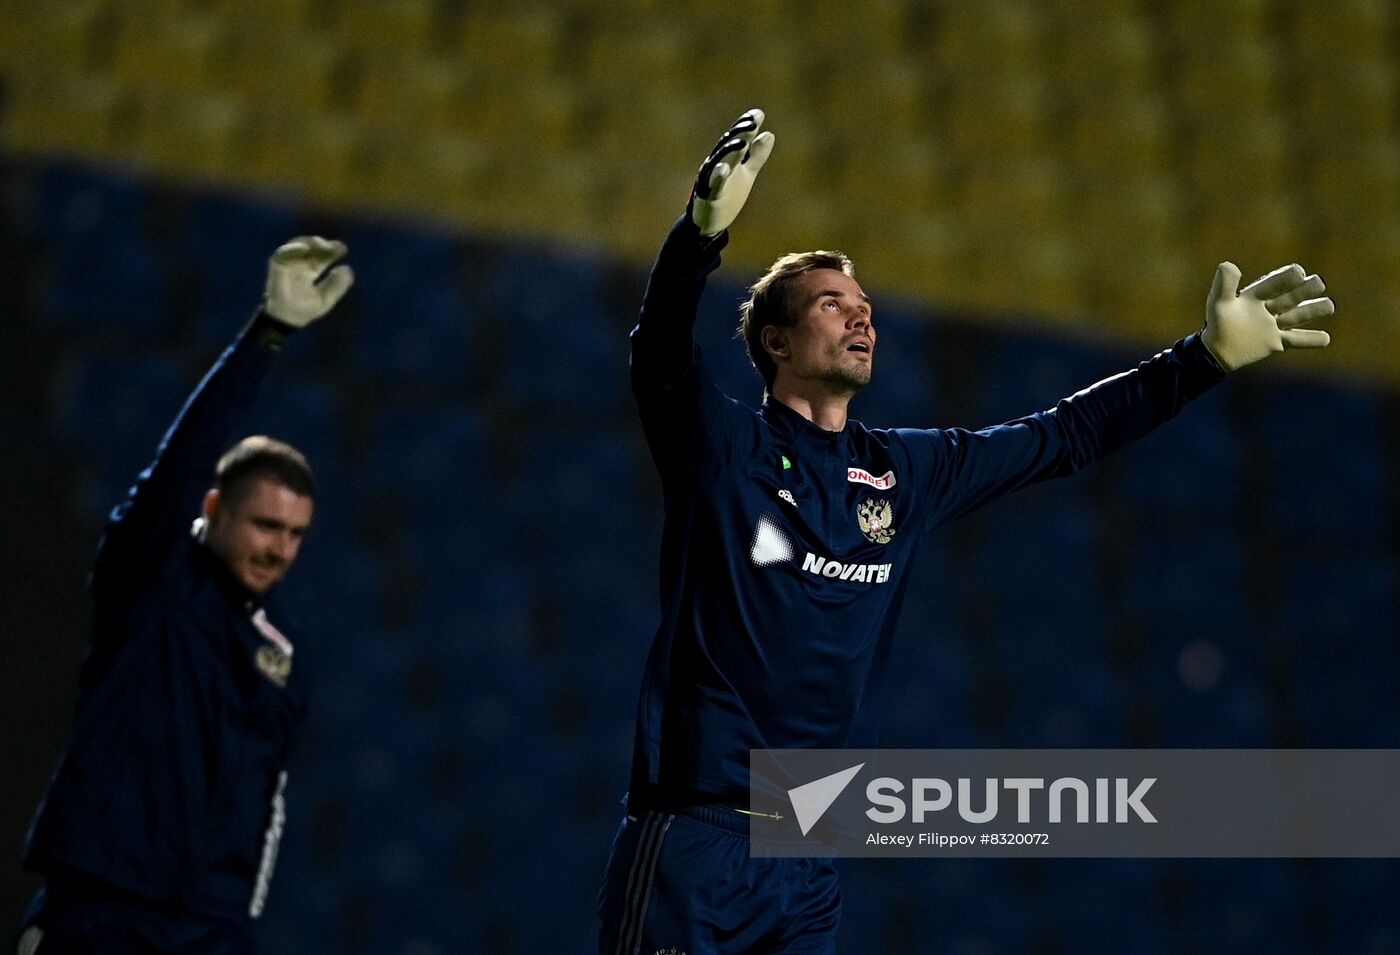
x,y
212,502
775,341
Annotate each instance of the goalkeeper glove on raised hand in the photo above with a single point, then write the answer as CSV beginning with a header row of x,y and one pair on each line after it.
x,y
1246,324
728,172
297,294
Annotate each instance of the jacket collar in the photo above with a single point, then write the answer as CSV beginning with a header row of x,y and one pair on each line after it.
x,y
233,588
796,429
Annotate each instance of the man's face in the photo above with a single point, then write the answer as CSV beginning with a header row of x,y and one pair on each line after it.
x,y
833,340
259,535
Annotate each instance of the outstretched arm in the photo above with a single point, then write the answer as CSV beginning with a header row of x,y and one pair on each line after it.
x,y
157,512
970,468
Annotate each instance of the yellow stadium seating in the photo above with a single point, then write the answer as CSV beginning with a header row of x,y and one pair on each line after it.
x,y
1249,86
56,38
1091,52
300,72
929,256
905,177
1331,34
388,29
522,38
986,156
1214,24
1123,136
173,55
81,115
1352,104
998,118
1232,159
977,40
192,137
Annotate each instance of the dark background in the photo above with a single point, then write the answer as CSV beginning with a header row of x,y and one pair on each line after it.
x,y
481,578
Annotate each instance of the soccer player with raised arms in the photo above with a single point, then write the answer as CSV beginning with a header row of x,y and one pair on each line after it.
x,y
788,538
160,829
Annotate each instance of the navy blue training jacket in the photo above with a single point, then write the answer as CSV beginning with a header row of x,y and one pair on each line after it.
x,y
786,548
171,787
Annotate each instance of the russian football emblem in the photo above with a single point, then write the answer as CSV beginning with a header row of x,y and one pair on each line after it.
x,y
875,518
274,658
274,664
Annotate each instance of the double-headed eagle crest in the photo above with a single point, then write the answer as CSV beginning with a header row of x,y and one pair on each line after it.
x,y
875,518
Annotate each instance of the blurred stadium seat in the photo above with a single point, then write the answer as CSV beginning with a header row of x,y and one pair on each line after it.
x,y
458,110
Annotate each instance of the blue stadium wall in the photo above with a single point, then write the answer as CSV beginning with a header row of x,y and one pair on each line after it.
x,y
481,578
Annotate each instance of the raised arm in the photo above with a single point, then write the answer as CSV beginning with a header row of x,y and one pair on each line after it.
x,y
969,468
662,343
156,515
682,412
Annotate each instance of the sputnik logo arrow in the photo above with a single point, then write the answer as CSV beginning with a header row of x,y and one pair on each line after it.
x,y
810,801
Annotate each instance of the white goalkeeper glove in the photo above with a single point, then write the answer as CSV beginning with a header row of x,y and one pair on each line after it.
x,y
728,172
295,297
1265,316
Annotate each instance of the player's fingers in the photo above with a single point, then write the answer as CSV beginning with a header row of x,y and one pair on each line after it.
x,y
324,252
747,123
1306,313
725,154
759,152
1306,338
336,283
730,151
740,135
292,249
1312,287
741,131
312,250
1227,280
1275,283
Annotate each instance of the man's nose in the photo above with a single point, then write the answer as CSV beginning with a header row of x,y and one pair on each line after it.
x,y
282,547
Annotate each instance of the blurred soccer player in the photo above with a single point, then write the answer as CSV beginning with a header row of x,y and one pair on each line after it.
x,y
160,828
788,538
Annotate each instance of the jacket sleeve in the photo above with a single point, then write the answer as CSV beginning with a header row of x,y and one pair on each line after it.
x,y
156,515
690,424
963,470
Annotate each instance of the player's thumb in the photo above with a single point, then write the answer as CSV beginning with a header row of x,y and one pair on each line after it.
x,y
1227,282
718,177
759,151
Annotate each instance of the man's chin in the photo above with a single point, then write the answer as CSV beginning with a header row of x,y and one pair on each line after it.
x,y
853,378
261,583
